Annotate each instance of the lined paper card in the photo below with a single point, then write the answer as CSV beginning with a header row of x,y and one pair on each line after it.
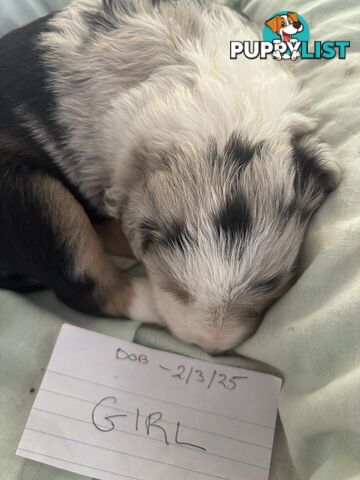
x,y
113,410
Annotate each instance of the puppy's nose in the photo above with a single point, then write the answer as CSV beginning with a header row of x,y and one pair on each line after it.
x,y
297,24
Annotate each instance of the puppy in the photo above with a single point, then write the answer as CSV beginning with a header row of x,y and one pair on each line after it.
x,y
133,111
285,26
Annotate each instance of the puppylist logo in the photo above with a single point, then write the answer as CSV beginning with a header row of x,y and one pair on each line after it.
x,y
286,35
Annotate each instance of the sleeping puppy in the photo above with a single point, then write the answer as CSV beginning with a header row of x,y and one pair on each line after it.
x,y
133,111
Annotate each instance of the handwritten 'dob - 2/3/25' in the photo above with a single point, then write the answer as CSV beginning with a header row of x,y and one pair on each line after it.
x,y
180,372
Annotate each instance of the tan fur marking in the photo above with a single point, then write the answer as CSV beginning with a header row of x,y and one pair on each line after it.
x,y
113,238
75,233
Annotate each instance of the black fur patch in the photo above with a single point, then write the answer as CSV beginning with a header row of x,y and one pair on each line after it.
x,y
268,285
312,181
237,153
108,16
234,219
309,173
79,295
105,18
125,6
99,22
19,284
177,236
24,80
240,152
288,210
30,246
305,170
15,164
25,83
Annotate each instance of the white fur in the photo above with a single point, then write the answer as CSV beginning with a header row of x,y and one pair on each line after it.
x,y
142,305
130,94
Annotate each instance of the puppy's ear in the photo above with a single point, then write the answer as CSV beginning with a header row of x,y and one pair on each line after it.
x,y
294,16
316,173
273,23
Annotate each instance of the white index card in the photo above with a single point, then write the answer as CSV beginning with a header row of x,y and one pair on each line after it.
x,y
111,410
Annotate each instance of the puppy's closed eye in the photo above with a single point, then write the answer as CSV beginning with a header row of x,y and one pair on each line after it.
x,y
178,291
268,284
148,229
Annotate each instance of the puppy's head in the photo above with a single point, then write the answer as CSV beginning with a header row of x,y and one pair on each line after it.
x,y
285,25
219,232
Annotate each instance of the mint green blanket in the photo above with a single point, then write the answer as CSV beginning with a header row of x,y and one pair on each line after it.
x,y
311,336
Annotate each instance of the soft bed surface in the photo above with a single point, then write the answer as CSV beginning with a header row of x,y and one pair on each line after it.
x,y
14,13
311,336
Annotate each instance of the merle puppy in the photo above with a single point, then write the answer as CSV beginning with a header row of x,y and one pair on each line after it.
x,y
133,110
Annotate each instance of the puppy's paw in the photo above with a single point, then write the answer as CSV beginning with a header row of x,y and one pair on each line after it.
x,y
142,303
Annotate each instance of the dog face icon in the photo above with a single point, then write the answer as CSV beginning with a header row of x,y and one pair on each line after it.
x,y
285,25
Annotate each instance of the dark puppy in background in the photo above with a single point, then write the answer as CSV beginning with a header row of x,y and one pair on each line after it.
x,y
132,110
